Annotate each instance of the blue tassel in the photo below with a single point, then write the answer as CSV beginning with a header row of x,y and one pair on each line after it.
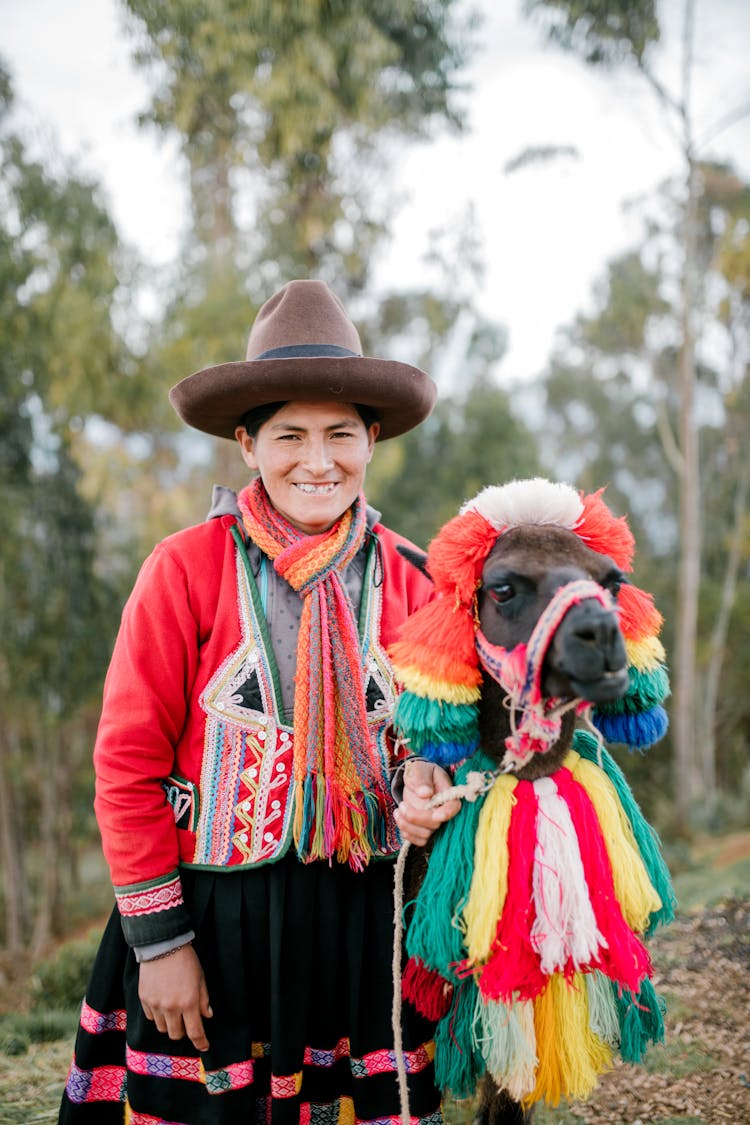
x,y
636,731
448,753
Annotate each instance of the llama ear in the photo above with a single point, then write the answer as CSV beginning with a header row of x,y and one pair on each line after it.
x,y
417,558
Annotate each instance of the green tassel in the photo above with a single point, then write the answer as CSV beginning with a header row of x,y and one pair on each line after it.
x,y
649,844
423,721
603,1014
458,1061
435,932
641,1020
503,1041
646,691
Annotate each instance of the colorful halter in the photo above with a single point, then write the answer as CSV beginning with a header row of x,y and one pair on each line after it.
x,y
437,658
519,673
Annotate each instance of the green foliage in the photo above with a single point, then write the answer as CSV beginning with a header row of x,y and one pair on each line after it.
x,y
602,32
301,93
61,981
19,1030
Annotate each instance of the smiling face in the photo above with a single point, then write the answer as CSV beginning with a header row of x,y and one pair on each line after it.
x,y
312,458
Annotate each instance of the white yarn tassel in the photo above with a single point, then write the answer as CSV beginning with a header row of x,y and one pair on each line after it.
x,y
565,927
507,1040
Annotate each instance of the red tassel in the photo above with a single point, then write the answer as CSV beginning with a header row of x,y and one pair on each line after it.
x,y
439,640
625,960
639,617
426,990
513,966
605,533
457,554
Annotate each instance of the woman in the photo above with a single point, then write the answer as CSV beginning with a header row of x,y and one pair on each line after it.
x,y
242,764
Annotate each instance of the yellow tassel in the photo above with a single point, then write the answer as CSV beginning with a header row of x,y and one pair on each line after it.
x,y
634,891
299,805
571,1057
489,883
645,654
419,683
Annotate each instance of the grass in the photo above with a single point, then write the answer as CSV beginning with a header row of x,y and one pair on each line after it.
x,y
31,1084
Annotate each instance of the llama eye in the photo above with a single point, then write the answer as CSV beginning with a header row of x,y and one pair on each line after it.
x,y
501,593
614,584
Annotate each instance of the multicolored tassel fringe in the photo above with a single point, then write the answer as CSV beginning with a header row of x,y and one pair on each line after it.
x,y
527,947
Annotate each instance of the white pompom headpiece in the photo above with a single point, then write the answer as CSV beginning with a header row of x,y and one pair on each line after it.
x,y
535,501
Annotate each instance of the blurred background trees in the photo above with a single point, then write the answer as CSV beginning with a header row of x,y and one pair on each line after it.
x,y
290,118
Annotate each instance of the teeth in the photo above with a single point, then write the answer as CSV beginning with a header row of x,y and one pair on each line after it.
x,y
316,489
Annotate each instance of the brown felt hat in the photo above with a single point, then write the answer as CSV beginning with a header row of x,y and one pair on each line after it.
x,y
302,347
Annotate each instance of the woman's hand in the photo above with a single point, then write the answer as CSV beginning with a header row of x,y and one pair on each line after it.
x,y
416,819
173,993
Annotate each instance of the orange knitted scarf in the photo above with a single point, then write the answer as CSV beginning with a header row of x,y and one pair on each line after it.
x,y
340,791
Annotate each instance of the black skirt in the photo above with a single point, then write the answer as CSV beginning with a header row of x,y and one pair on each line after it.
x,y
298,963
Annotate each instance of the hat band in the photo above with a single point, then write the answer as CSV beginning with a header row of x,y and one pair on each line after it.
x,y
310,351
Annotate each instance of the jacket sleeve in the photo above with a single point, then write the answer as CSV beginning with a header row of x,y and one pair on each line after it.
x,y
144,710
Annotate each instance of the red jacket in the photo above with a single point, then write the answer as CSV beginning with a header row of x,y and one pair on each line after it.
x,y
180,629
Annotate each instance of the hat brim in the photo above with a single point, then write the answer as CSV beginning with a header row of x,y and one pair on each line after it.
x,y
214,400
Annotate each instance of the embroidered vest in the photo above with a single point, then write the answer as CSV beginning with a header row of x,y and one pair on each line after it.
x,y
242,813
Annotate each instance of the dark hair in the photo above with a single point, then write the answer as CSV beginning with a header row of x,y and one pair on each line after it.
x,y
259,415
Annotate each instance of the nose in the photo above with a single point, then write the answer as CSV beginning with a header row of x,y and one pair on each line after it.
x,y
317,456
595,627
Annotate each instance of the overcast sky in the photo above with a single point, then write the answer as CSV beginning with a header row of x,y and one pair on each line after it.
x,y
547,231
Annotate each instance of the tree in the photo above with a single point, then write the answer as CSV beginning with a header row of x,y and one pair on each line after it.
x,y
280,109
624,32
58,355
612,387
288,116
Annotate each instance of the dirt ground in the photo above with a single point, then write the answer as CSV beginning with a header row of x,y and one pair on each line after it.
x,y
701,1074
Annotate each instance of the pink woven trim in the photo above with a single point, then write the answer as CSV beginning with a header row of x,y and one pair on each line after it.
x,y
98,1022
102,1084
320,1056
165,1066
384,1062
286,1086
150,901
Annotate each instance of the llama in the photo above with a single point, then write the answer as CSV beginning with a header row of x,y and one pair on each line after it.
x,y
524,938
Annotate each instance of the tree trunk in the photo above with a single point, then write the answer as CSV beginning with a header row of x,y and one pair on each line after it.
x,y
717,649
11,852
47,756
687,775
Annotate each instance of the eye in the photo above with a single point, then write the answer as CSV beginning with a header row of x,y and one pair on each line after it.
x,y
502,592
614,583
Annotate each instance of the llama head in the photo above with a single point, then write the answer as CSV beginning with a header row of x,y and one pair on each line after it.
x,y
518,562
